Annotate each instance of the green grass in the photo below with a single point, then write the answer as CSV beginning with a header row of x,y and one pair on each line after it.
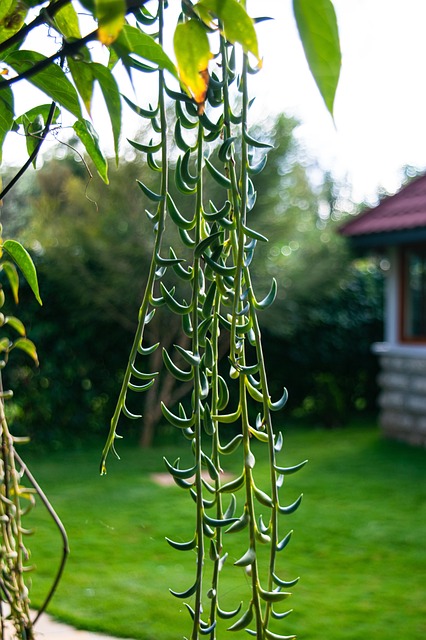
x,y
358,543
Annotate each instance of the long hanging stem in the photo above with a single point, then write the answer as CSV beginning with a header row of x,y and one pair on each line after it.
x,y
143,315
197,399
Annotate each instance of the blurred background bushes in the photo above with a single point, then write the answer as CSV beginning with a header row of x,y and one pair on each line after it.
x,y
92,243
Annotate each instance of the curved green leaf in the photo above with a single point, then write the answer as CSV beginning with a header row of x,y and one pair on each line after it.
x,y
16,324
135,42
26,345
6,114
12,275
237,25
317,25
51,80
90,139
112,99
23,260
192,51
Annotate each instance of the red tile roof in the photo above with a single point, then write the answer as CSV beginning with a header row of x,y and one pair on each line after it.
x,y
404,210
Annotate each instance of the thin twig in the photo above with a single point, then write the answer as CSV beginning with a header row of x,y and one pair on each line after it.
x,y
60,526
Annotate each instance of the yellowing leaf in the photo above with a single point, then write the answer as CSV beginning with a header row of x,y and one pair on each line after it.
x,y
26,345
111,18
192,50
235,22
12,16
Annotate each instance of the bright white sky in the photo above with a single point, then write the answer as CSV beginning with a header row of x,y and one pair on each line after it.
x,y
380,108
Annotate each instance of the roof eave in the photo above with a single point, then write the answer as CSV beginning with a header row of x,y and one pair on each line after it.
x,y
388,238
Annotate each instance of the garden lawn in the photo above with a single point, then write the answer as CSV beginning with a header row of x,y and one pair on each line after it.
x,y
358,543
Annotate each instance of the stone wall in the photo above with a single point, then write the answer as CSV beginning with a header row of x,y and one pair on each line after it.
x,y
402,399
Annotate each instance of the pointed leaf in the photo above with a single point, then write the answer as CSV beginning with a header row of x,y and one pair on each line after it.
x,y
42,110
28,346
237,25
185,594
12,275
183,546
245,620
6,114
16,324
66,21
82,76
51,80
192,50
135,42
317,25
112,99
111,18
248,558
24,261
90,139
273,596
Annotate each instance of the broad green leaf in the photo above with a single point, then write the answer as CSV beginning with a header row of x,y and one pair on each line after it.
x,y
112,99
41,110
90,139
111,18
5,8
6,115
16,324
12,275
51,80
317,25
135,42
66,21
12,16
82,76
5,344
27,346
192,50
23,260
236,23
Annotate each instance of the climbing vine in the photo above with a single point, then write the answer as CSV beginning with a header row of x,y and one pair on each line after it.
x,y
204,278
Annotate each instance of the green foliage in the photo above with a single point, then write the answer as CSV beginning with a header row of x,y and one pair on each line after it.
x,y
317,24
19,489
217,243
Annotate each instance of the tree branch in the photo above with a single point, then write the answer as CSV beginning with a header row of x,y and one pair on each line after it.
x,y
48,12
67,49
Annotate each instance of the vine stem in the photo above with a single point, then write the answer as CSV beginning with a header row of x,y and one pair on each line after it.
x,y
149,288
271,450
197,399
12,534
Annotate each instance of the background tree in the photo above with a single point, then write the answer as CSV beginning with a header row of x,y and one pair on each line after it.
x,y
318,333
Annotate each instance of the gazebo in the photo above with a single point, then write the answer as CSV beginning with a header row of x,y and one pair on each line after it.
x,y
397,229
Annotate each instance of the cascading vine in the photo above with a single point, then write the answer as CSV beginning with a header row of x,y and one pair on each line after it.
x,y
205,190
213,295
